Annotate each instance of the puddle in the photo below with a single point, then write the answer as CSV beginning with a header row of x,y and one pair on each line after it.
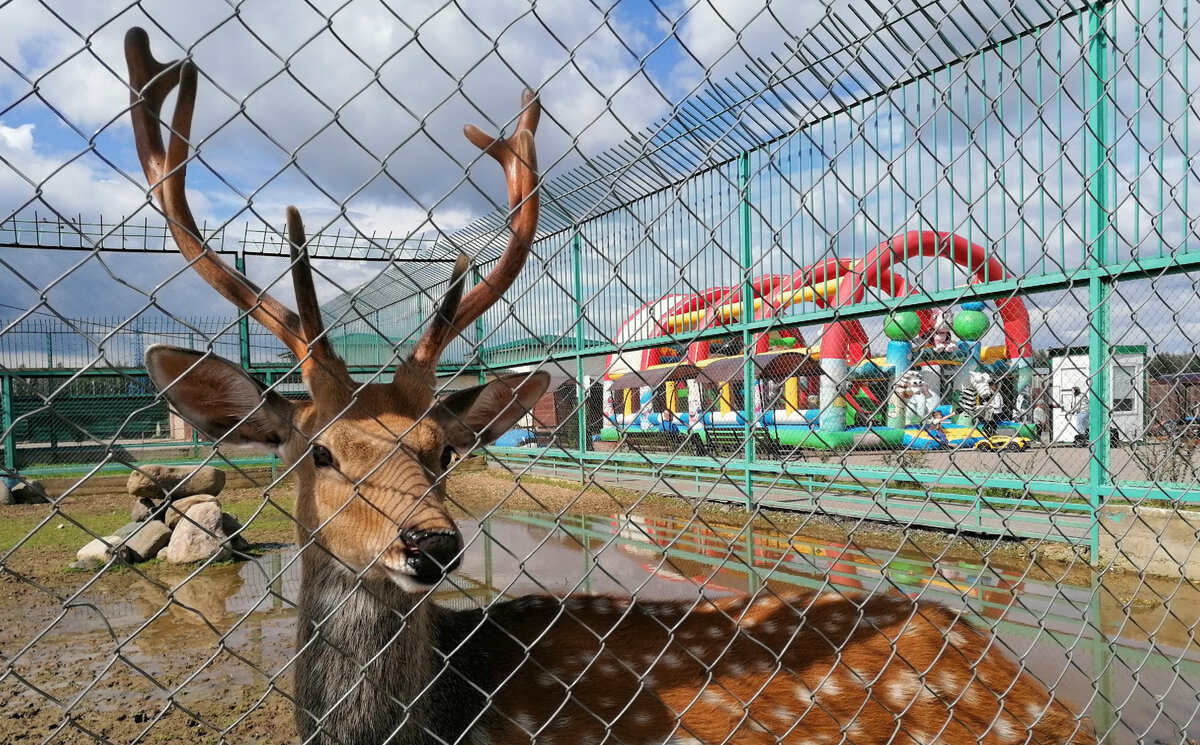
x,y
1126,654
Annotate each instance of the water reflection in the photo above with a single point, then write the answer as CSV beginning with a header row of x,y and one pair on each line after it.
x,y
1126,652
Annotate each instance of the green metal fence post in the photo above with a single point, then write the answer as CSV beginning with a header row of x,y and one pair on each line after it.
x,y
10,437
753,581
1097,233
269,379
480,368
489,579
1104,659
747,317
577,285
239,261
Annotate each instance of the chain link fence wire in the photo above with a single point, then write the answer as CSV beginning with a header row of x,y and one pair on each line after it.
x,y
845,307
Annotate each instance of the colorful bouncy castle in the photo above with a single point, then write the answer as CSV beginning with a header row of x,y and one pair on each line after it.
x,y
831,394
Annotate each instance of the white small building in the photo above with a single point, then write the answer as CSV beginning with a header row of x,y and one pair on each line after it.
x,y
1127,390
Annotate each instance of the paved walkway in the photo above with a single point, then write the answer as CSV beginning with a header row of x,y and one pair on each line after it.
x,y
965,516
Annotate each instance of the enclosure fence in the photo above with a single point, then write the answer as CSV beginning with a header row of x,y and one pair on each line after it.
x,y
846,302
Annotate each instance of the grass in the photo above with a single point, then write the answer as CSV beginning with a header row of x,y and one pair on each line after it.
x,y
57,470
273,523
59,532
103,515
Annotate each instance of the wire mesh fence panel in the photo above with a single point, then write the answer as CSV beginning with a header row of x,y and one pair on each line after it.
x,y
805,372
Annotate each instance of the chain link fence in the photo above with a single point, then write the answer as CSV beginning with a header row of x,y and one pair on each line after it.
x,y
869,390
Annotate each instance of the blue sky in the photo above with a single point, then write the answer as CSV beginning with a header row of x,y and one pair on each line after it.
x,y
355,117
291,109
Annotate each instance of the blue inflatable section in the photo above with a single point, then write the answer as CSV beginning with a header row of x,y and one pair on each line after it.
x,y
773,417
956,436
515,438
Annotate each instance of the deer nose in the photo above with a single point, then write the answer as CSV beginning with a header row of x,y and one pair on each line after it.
x,y
431,554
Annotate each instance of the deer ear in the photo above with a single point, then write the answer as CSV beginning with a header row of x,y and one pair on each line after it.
x,y
219,398
477,416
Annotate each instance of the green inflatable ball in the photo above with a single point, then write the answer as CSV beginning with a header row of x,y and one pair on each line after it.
x,y
970,325
903,326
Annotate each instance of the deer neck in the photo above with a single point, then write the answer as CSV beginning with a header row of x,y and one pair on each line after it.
x,y
367,651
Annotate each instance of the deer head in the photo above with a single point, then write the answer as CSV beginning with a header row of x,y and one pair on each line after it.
x,y
369,459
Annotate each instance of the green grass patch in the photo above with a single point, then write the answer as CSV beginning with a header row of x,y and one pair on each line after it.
x,y
59,532
275,522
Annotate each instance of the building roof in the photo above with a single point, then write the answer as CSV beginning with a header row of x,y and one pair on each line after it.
x,y
1184,378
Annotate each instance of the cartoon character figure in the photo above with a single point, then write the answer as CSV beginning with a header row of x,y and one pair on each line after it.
x,y
940,339
646,408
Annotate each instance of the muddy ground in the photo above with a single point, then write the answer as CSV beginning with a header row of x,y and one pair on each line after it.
x,y
83,664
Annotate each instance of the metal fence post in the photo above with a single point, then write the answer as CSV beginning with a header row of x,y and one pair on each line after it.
x,y
480,367
239,261
753,581
10,437
269,379
746,317
577,285
489,579
1097,227
1104,658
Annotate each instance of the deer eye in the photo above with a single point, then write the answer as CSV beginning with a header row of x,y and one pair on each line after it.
x,y
321,456
447,455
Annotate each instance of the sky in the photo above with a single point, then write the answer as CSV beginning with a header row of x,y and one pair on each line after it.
x,y
350,111
353,112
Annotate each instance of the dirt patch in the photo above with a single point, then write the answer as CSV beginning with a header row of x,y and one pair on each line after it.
x,y
148,653
158,653
88,665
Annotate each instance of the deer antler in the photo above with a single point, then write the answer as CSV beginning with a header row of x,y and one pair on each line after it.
x,y
166,171
518,158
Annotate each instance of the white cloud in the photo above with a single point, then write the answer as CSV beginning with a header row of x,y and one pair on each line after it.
x,y
16,138
339,94
296,107
66,182
353,112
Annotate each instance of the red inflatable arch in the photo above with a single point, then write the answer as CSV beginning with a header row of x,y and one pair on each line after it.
x,y
875,270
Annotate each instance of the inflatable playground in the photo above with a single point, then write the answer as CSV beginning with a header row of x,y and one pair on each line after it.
x,y
834,393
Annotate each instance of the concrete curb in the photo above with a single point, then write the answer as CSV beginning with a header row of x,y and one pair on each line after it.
x,y
1151,540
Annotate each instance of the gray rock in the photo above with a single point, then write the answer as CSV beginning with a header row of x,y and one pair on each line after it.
x,y
127,529
142,510
230,526
179,507
151,538
86,565
154,482
199,537
162,553
31,492
6,495
103,549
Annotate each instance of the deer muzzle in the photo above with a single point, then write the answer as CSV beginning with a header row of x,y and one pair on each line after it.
x,y
428,555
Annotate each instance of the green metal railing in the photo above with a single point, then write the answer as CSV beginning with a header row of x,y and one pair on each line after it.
x,y
55,422
1072,121
1043,112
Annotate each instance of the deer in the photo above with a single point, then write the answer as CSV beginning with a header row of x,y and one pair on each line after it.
x,y
378,662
